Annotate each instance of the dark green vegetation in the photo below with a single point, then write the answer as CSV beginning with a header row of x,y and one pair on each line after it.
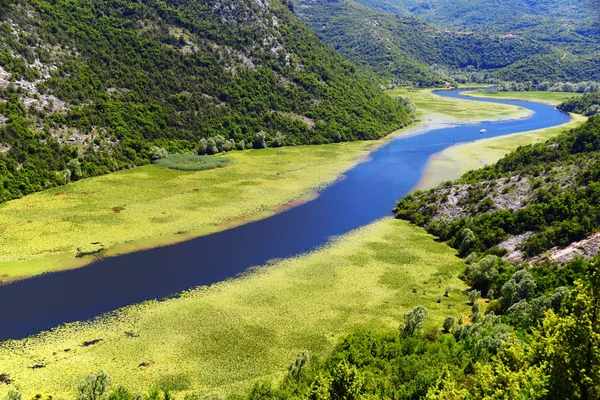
x,y
191,162
538,339
470,41
88,87
542,196
403,47
588,104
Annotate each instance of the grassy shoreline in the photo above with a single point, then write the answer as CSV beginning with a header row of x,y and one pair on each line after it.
x,y
151,206
453,162
551,98
226,336
449,110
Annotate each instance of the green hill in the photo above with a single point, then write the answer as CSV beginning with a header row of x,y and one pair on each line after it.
x,y
88,86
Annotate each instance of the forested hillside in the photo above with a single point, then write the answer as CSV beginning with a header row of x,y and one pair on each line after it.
x,y
553,42
535,201
87,86
404,48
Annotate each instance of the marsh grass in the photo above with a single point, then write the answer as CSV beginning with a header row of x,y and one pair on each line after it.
x,y
191,162
552,98
224,337
452,163
150,206
436,108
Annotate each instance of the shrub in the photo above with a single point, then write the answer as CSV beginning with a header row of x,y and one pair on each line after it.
x,y
94,386
156,153
260,140
413,321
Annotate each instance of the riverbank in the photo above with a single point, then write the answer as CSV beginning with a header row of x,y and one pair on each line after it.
x,y
432,108
227,336
453,162
552,98
150,206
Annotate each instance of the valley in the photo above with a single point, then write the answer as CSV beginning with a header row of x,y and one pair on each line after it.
x,y
299,199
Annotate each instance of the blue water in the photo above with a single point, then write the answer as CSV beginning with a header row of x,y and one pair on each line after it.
x,y
369,192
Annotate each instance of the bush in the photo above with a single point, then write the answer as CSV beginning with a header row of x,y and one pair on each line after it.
x,y
260,140
156,153
94,386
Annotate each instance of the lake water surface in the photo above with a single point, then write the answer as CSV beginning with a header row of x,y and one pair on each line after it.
x,y
368,192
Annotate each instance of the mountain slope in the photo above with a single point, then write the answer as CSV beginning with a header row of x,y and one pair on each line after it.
x,y
556,42
99,81
403,48
536,199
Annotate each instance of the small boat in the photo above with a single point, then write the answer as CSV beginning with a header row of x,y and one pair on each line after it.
x,y
483,131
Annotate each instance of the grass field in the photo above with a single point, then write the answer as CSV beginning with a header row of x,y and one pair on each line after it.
x,y
149,206
435,108
552,98
453,162
226,336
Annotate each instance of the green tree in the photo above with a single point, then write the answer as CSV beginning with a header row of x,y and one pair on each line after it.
x,y
260,140
448,323
467,241
413,321
202,146
569,343
94,386
75,167
511,375
211,146
519,287
156,153
346,382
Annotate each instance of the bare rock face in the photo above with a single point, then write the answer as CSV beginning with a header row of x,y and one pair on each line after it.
x,y
513,245
586,248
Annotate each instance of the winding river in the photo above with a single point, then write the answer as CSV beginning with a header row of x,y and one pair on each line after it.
x,y
367,193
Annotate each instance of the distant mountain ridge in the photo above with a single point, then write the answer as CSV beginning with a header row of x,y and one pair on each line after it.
x,y
401,40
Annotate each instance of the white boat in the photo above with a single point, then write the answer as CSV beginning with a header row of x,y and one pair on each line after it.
x,y
483,131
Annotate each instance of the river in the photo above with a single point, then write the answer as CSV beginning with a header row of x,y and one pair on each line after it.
x,y
368,192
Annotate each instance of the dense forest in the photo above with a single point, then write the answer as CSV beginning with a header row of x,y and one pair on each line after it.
x,y
88,87
404,48
393,43
588,104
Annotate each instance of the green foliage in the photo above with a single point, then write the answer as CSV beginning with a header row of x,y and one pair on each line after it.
x,y
157,153
94,386
168,74
471,45
14,395
413,321
560,211
569,343
588,104
448,323
191,162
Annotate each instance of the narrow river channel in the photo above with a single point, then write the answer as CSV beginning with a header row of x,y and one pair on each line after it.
x,y
368,192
